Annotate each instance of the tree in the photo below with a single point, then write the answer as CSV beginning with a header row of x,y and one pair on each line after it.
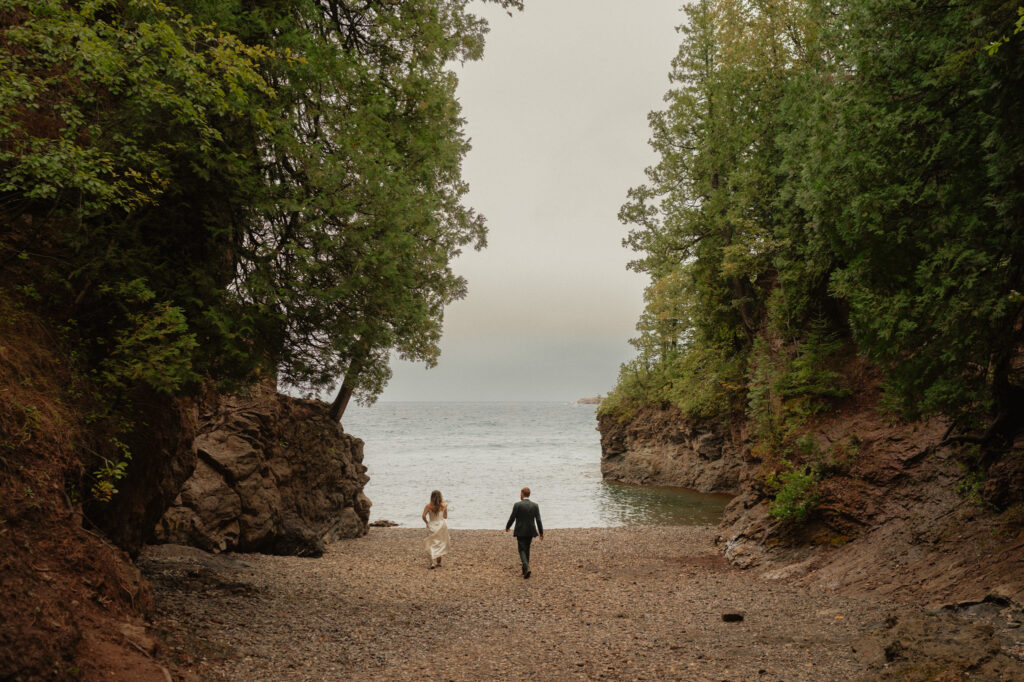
x,y
271,187
361,211
103,104
836,170
707,214
929,204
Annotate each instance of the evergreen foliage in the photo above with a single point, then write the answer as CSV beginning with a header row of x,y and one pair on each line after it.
x,y
216,189
210,190
834,178
795,492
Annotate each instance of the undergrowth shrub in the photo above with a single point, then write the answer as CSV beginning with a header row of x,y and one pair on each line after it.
x,y
789,388
795,491
973,474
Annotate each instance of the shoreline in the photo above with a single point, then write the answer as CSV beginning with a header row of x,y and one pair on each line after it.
x,y
636,505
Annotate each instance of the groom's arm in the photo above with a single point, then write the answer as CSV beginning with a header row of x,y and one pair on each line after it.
x,y
540,526
512,516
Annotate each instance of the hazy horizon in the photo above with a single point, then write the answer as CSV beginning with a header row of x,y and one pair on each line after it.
x,y
557,115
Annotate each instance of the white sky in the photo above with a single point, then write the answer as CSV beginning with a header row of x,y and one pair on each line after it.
x,y
557,115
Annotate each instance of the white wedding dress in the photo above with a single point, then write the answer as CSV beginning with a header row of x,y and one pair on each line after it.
x,y
438,540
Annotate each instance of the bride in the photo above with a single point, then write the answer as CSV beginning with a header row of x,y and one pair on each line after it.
x,y
434,515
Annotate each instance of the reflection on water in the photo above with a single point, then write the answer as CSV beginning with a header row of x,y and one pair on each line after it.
x,y
634,505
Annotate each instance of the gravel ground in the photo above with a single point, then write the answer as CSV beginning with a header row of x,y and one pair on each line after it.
x,y
635,603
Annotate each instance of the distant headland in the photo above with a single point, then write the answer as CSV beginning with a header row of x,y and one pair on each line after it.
x,y
596,400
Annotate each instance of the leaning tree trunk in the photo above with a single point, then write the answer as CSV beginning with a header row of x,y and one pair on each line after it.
x,y
348,387
341,401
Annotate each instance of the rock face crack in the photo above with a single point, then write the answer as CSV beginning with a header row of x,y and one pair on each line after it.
x,y
275,475
659,446
212,462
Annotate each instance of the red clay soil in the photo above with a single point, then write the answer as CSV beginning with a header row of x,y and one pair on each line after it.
x,y
72,604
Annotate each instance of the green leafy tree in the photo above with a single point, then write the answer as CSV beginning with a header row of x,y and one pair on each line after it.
x,y
707,215
105,108
856,165
278,182
925,201
361,211
835,178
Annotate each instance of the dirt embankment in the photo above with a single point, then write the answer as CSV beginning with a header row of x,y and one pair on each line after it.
x,y
73,603
278,475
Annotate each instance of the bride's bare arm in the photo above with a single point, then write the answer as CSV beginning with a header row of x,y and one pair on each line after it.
x,y
424,515
444,509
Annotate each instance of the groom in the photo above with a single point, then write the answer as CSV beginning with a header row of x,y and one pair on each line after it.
x,y
525,513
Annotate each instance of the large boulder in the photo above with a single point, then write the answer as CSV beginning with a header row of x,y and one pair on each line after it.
x,y
275,475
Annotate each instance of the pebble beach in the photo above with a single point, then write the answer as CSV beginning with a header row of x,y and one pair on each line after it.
x,y
637,603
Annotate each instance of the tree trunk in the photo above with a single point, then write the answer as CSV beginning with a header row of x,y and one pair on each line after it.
x,y
341,401
743,294
348,385
1009,398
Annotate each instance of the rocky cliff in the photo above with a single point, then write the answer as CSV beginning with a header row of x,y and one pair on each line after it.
x,y
658,446
899,518
274,474
903,521
264,472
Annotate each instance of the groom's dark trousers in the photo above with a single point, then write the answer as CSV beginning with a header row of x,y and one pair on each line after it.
x,y
526,516
524,551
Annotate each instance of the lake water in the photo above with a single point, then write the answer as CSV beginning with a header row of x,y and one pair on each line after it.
x,y
480,454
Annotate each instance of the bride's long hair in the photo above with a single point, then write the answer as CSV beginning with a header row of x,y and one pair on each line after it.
x,y
436,500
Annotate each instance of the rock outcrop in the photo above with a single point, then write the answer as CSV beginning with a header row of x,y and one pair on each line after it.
x,y
902,522
275,474
897,517
887,481
658,446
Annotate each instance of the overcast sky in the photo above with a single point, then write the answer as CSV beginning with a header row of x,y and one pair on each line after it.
x,y
557,115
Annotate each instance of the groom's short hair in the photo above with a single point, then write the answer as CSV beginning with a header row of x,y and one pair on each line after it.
x,y
525,492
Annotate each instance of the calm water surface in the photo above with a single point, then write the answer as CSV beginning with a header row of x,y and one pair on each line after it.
x,y
480,454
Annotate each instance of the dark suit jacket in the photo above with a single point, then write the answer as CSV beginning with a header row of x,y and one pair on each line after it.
x,y
525,512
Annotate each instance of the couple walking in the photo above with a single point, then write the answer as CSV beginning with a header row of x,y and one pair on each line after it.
x,y
525,515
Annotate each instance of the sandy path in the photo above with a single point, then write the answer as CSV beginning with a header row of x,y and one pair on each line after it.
x,y
614,603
